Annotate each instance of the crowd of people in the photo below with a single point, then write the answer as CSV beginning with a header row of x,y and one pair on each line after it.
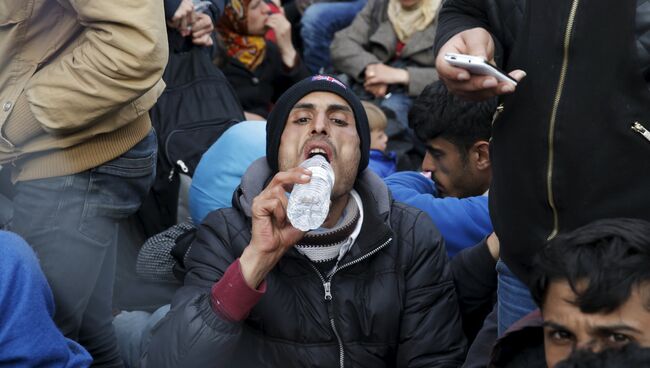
x,y
148,151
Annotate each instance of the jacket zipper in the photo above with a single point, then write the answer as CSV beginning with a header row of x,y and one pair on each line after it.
x,y
327,287
551,129
637,127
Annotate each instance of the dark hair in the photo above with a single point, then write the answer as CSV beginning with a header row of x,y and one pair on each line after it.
x,y
612,256
630,355
438,113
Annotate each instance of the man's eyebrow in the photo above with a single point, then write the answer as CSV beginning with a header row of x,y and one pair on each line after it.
x,y
338,107
554,325
602,330
304,105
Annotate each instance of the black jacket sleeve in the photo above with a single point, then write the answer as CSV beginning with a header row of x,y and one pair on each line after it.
x,y
192,334
475,278
502,18
431,334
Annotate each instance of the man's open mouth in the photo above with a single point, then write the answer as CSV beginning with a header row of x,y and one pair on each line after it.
x,y
318,149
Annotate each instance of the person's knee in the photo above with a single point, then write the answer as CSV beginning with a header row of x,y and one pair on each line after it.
x,y
315,20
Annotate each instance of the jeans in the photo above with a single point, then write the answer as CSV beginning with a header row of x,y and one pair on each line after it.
x,y
514,299
133,330
319,24
71,222
400,104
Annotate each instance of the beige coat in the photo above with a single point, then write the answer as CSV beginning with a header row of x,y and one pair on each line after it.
x,y
371,39
77,78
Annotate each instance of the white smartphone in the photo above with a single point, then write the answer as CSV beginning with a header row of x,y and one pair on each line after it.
x,y
477,65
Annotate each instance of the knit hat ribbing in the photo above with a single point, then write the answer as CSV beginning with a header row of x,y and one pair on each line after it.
x,y
278,117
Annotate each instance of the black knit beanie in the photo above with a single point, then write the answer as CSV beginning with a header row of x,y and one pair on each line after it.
x,y
278,117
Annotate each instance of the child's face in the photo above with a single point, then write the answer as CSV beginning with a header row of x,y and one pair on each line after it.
x,y
378,139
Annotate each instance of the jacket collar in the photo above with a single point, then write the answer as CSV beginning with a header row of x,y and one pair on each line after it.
x,y
375,196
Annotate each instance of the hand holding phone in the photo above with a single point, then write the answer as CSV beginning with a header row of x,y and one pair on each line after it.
x,y
478,66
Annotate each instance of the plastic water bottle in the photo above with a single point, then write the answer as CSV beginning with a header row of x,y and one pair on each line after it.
x,y
309,203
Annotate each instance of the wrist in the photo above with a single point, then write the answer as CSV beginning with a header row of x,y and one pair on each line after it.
x,y
405,78
254,266
289,57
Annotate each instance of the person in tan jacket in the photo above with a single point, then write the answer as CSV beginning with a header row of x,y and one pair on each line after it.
x,y
76,81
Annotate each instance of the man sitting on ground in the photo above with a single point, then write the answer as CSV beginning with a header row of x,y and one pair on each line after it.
x,y
457,135
593,289
371,287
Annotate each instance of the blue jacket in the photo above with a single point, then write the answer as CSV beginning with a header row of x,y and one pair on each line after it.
x,y
28,336
383,164
462,222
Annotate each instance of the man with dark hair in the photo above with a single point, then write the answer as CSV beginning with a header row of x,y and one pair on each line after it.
x,y
591,286
370,287
456,134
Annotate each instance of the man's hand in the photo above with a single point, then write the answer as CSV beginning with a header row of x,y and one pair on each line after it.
x,y
183,18
377,90
383,74
201,29
282,28
272,233
475,42
493,246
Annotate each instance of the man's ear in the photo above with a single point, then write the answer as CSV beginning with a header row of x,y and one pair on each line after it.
x,y
481,151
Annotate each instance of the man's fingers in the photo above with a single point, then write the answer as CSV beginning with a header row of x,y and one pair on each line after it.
x,y
286,179
517,74
204,40
372,81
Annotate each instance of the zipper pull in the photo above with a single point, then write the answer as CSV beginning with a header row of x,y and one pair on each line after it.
x,y
637,127
171,174
328,290
182,165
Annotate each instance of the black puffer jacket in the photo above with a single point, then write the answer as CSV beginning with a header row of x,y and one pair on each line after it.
x,y
393,300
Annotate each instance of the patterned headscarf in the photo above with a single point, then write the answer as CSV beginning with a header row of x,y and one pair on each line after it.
x,y
233,31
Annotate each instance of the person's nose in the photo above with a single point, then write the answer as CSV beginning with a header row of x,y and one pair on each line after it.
x,y
428,164
266,9
319,125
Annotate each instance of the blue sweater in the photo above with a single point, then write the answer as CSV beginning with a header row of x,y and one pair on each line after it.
x,y
462,222
383,164
28,336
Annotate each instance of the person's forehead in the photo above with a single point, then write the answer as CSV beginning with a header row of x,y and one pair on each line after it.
x,y
320,100
442,144
559,306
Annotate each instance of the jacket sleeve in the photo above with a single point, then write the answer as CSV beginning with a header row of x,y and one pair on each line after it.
x,y
120,57
460,15
463,222
475,278
348,50
192,334
431,334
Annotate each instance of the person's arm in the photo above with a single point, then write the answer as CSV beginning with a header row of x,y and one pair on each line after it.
x,y
475,277
28,335
282,28
348,48
464,28
462,222
120,57
204,325
431,334
460,15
